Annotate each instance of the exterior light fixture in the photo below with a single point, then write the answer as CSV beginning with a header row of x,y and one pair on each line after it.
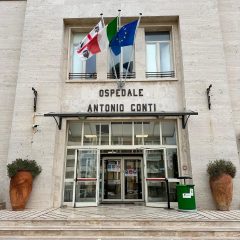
x,y
90,136
143,135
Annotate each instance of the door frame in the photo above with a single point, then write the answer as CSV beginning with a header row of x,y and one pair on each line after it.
x,y
122,179
86,204
153,204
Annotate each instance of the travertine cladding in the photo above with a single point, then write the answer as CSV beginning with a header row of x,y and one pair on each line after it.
x,y
11,28
208,136
229,12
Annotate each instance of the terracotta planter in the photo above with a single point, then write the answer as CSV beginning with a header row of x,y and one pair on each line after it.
x,y
222,189
20,189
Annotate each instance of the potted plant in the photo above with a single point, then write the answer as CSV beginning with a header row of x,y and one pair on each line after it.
x,y
221,173
22,173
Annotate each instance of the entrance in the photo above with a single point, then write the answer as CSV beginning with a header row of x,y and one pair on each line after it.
x,y
122,179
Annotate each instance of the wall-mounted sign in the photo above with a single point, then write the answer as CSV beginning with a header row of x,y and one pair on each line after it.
x,y
118,107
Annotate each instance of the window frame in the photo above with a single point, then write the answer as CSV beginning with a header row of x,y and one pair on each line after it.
x,y
70,57
158,53
102,69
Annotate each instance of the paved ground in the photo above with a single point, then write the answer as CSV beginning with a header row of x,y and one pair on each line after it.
x,y
118,212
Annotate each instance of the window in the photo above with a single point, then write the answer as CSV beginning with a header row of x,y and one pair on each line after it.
x,y
80,69
159,60
122,63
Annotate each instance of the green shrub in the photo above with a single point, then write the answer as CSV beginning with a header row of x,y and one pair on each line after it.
x,y
221,166
23,165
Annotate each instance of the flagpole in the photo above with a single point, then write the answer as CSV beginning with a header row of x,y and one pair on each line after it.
x,y
115,72
120,63
131,56
101,14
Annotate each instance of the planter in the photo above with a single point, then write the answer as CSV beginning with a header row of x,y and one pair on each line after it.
x,y
20,189
222,190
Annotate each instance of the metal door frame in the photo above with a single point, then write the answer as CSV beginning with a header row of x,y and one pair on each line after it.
x,y
85,204
122,179
153,204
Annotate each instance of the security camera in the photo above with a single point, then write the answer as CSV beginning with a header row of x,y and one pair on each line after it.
x,y
35,126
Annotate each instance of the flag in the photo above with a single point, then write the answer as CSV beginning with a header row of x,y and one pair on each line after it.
x,y
124,37
100,41
90,36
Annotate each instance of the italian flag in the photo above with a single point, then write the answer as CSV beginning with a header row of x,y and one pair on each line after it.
x,y
100,41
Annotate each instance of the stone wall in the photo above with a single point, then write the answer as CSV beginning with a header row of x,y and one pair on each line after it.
x,y
208,136
11,28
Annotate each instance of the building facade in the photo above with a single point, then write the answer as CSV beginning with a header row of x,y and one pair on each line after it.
x,y
117,124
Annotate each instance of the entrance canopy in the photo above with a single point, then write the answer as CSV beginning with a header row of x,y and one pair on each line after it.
x,y
84,115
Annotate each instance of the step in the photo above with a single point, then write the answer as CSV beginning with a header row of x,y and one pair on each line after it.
x,y
170,231
125,223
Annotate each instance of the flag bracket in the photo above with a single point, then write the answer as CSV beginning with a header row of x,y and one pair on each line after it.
x,y
35,93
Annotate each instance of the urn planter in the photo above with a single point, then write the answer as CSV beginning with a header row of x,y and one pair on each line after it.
x,y
20,189
222,191
21,172
221,173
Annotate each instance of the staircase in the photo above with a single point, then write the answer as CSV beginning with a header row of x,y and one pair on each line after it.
x,y
119,229
119,222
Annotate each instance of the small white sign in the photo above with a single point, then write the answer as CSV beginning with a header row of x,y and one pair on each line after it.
x,y
188,195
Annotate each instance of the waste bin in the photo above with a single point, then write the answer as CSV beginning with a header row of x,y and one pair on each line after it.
x,y
186,196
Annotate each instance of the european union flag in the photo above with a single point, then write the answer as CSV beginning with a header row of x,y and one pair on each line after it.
x,y
124,37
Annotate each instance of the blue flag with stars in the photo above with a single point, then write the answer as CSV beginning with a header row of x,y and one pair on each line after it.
x,y
124,37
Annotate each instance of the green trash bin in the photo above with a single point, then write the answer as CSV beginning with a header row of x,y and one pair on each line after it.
x,y
186,197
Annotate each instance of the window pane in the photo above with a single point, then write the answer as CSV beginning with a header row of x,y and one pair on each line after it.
x,y
151,133
172,163
165,58
104,134
151,57
121,133
78,65
156,191
157,36
87,164
86,192
91,133
138,134
168,133
70,162
114,64
155,164
173,192
75,133
128,58
68,192
127,54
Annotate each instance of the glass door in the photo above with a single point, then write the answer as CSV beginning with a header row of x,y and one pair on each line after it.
x,y
112,178
122,179
87,172
133,179
155,173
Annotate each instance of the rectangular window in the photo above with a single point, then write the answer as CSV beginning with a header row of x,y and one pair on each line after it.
x,y
81,69
159,59
121,133
123,64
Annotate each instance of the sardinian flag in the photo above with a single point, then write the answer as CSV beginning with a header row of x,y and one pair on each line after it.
x,y
99,41
82,45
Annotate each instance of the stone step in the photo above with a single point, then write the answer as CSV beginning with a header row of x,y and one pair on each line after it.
x,y
171,231
117,238
129,223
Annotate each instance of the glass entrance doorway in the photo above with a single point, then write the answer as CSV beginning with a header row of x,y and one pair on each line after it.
x,y
122,179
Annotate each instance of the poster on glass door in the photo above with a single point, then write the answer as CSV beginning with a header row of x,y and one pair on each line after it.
x,y
131,172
